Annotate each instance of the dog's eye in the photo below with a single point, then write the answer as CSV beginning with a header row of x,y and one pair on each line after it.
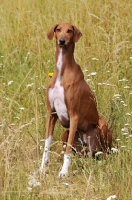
x,y
58,30
69,31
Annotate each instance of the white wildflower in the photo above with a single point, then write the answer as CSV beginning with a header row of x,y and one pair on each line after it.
x,y
10,82
100,162
41,147
93,73
75,171
42,87
117,95
88,80
43,140
126,87
114,150
101,83
12,124
29,189
109,84
17,118
127,124
123,146
111,197
95,59
122,101
30,85
22,108
62,152
64,183
88,75
125,105
128,114
33,181
118,139
124,129
124,133
7,98
130,57
123,80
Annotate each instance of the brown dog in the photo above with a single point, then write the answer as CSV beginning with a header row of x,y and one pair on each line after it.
x,y
94,140
69,97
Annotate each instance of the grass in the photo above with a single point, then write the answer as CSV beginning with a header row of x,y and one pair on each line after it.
x,y
26,58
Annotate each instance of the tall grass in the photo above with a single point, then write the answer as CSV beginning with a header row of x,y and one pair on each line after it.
x,y
26,57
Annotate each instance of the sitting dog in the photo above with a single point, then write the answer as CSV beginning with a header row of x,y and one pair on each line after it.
x,y
69,98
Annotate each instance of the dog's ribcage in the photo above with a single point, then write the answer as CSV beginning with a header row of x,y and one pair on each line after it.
x,y
56,94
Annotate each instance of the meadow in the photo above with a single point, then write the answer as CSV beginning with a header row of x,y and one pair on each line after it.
x,y
26,57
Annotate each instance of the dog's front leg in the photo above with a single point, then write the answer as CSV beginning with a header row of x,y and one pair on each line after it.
x,y
49,134
68,153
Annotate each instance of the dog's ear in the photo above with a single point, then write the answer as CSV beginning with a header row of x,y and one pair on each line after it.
x,y
50,34
77,34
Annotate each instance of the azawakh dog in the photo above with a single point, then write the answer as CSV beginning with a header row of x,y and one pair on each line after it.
x,y
69,98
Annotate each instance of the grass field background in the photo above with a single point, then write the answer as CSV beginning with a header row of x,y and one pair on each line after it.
x,y
26,57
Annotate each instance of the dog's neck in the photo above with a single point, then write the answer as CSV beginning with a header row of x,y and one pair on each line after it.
x,y
65,56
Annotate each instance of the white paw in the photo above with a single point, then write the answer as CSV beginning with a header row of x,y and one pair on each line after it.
x,y
44,165
66,164
45,161
62,173
44,169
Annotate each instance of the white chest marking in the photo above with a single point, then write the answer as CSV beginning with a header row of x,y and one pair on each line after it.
x,y
59,62
56,94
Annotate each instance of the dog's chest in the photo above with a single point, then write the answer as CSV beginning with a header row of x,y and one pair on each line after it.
x,y
56,94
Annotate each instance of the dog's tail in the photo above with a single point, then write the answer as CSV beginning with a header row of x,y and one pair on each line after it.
x,y
105,135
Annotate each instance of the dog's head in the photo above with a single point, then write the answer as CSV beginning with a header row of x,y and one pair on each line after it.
x,y
64,33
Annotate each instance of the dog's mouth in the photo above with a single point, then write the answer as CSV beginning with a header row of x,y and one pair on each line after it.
x,y
62,45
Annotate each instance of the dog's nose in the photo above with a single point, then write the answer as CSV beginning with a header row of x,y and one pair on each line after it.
x,y
62,41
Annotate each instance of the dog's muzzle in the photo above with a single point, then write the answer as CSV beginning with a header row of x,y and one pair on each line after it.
x,y
62,42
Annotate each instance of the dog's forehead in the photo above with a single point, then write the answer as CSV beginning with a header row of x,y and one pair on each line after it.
x,y
65,26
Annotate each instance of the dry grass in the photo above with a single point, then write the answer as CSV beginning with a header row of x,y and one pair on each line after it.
x,y
26,58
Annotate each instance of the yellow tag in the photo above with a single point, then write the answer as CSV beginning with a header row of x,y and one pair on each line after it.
x,y
50,74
